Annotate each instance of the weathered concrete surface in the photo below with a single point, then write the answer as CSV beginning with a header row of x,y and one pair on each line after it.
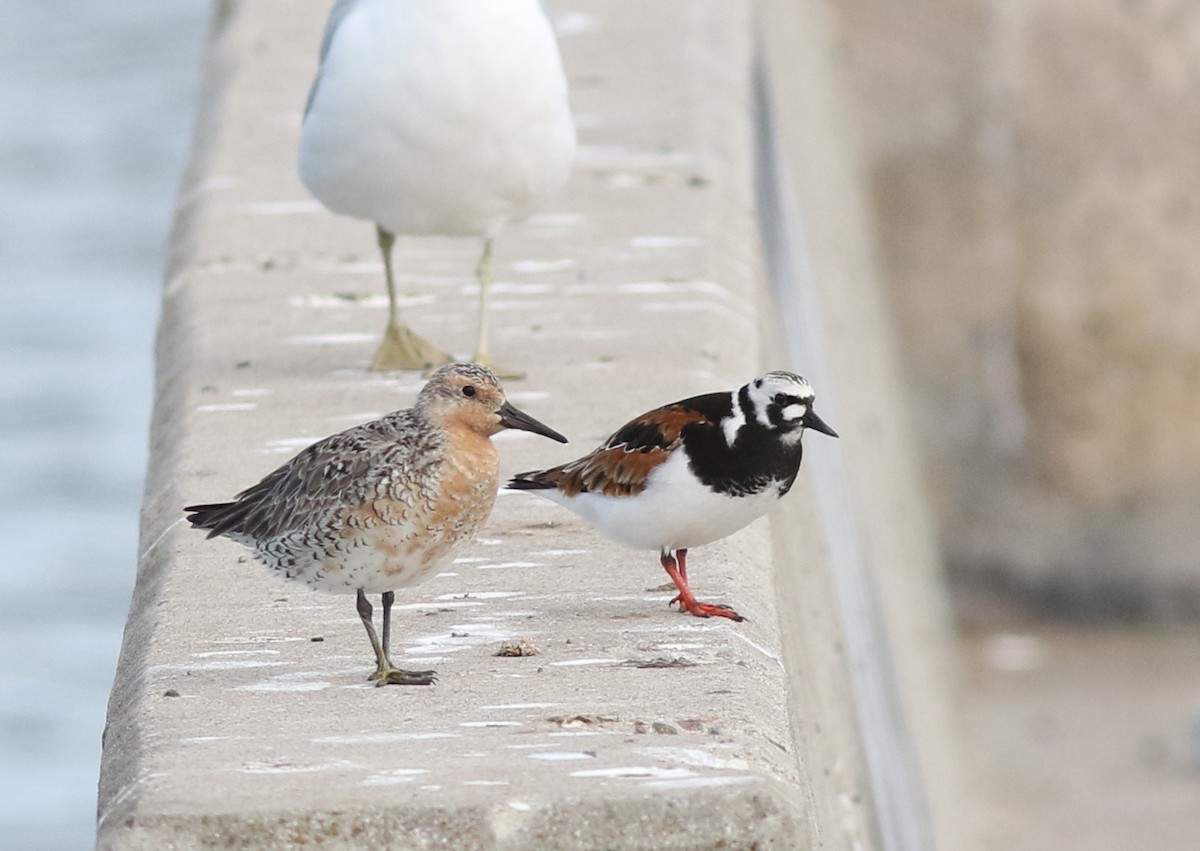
x,y
1035,178
230,725
882,563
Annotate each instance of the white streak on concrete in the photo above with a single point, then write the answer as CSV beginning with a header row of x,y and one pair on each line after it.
x,y
770,654
381,738
162,535
636,771
218,665
554,220
480,595
416,607
533,266
699,782
279,208
301,768
226,406
352,338
664,241
394,777
695,757
276,685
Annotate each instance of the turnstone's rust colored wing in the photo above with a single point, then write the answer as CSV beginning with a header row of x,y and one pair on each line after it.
x,y
690,473
622,465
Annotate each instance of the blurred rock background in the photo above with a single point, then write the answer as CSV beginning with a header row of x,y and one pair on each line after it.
x,y
1035,173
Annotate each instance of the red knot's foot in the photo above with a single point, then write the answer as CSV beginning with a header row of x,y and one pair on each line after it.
x,y
398,677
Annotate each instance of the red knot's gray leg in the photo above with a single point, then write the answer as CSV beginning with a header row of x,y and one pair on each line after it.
x,y
385,672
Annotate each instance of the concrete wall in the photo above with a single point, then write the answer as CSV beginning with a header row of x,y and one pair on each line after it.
x,y
241,716
1034,175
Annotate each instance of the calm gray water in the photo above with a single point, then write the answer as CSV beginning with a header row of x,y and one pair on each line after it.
x,y
96,106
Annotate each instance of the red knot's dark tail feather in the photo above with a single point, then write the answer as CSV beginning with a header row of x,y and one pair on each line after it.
x,y
217,517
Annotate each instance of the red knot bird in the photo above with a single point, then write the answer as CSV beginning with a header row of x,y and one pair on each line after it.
x,y
382,505
689,473
441,118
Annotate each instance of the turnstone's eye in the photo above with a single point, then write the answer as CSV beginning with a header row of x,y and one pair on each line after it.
x,y
781,398
468,391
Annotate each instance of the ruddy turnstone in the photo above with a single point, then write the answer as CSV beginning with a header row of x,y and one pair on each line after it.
x,y
382,505
690,473
436,118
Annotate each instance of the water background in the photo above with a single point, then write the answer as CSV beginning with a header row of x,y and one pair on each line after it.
x,y
97,99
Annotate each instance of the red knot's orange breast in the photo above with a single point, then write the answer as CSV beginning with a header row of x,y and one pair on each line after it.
x,y
406,534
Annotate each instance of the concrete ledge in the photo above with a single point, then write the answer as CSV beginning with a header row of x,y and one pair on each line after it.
x,y
241,716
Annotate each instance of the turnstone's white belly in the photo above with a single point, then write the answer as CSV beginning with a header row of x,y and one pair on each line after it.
x,y
674,511
689,473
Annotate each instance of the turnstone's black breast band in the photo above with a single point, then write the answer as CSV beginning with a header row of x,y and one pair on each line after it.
x,y
690,472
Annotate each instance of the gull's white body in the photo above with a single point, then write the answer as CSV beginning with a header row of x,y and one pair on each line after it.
x,y
445,117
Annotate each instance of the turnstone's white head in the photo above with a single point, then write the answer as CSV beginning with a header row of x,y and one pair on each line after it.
x,y
384,504
691,472
783,402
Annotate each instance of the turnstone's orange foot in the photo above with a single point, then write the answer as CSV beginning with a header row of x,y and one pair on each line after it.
x,y
399,677
382,505
690,473
710,610
446,118
676,567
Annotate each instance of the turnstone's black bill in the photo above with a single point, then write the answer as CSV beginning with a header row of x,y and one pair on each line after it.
x,y
436,117
690,473
382,505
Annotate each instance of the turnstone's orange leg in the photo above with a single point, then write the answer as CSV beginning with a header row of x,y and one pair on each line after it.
x,y
681,558
677,570
385,672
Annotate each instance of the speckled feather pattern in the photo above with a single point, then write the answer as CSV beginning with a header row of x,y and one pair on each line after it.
x,y
381,505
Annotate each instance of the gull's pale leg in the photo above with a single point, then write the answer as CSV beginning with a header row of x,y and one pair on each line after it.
x,y
401,347
486,273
